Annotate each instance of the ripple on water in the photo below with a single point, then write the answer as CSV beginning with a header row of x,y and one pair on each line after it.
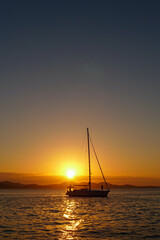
x,y
44,214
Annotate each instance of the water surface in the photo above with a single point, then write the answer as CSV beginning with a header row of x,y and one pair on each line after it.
x,y
49,214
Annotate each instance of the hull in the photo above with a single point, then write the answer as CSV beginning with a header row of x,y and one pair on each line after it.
x,y
87,193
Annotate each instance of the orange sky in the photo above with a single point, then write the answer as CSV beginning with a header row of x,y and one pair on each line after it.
x,y
67,67
68,150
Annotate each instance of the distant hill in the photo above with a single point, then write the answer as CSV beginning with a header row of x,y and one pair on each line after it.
x,y
11,185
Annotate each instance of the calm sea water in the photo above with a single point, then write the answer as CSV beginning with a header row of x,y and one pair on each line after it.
x,y
49,214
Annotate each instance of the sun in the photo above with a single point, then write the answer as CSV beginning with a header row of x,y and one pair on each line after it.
x,y
70,173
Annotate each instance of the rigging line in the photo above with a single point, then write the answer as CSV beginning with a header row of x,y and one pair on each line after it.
x,y
99,164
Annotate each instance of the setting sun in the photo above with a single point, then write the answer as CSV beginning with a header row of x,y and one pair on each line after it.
x,y
70,173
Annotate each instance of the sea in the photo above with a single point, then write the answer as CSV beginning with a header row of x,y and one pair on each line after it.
x,y
50,214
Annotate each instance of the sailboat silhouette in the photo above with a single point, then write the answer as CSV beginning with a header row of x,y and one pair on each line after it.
x,y
86,191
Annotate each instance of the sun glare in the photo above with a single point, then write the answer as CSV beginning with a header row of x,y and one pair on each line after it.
x,y
70,173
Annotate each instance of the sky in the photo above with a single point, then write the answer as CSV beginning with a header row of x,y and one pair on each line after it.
x,y
69,65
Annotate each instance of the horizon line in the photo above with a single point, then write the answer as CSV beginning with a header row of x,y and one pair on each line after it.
x,y
96,176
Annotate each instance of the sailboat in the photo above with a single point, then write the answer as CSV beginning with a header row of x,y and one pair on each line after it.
x,y
87,191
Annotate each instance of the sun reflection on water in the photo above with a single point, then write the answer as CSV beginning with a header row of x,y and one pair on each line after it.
x,y
126,214
72,222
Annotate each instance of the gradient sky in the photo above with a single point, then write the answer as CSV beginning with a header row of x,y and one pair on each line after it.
x,y
68,65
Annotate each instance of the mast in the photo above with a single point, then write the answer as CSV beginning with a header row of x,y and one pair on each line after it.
x,y
89,160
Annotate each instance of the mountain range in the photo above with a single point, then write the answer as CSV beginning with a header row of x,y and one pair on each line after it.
x,y
64,185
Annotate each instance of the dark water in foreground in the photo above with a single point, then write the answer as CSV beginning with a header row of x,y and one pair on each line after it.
x,y
48,214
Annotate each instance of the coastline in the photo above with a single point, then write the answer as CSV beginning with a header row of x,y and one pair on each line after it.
x,y
13,185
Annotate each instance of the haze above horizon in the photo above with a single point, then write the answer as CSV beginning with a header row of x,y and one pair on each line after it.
x,y
68,65
50,179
